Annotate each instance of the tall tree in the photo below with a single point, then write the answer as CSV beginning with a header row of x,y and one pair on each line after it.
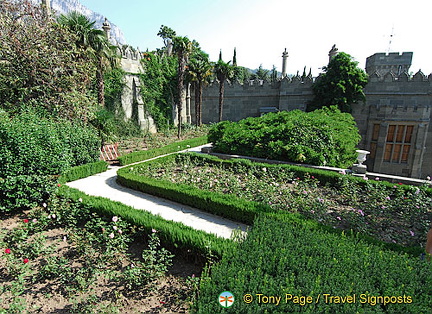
x,y
95,42
341,84
182,47
224,71
199,70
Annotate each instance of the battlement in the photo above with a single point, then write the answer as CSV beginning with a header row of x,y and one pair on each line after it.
x,y
127,52
389,62
130,59
402,77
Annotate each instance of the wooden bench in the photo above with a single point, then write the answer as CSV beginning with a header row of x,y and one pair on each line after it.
x,y
109,152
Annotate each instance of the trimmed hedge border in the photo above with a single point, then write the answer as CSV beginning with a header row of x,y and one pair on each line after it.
x,y
241,210
83,171
223,205
171,233
171,148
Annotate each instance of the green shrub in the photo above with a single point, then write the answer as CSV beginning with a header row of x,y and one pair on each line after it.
x,y
323,137
84,171
34,151
171,148
280,258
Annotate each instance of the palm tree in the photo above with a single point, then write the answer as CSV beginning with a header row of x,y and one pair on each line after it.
x,y
199,70
182,46
224,71
95,42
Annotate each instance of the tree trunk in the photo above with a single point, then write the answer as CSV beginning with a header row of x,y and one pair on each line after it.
x,y
221,96
181,91
196,103
100,84
199,92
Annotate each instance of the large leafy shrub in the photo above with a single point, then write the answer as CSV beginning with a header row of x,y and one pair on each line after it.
x,y
323,137
41,65
34,151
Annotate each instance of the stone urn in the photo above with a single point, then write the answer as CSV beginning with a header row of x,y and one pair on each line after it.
x,y
361,157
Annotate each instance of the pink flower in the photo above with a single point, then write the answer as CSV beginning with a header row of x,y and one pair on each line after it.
x,y
338,218
154,230
312,211
388,198
119,231
44,205
111,235
377,179
34,220
115,219
412,233
25,261
8,251
361,212
58,184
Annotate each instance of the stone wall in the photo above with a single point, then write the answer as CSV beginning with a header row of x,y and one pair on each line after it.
x,y
132,103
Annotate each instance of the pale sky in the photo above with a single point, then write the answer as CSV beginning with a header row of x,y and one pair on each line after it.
x,y
262,29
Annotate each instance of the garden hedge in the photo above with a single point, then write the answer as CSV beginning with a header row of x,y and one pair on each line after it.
x,y
304,266
171,148
83,171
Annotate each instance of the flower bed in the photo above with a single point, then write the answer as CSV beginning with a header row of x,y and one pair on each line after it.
x,y
394,214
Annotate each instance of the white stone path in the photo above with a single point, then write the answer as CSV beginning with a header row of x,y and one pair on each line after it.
x,y
105,185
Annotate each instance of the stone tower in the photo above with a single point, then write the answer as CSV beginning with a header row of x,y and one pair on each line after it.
x,y
383,63
107,28
284,62
46,6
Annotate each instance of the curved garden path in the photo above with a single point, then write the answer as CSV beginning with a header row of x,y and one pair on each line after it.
x,y
104,184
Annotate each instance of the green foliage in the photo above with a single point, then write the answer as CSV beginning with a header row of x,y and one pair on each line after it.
x,y
341,84
323,137
34,152
241,74
171,148
282,257
39,66
114,85
83,171
159,87
261,74
96,46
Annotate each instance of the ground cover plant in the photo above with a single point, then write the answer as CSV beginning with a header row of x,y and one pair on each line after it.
x,y
63,256
325,137
394,214
314,271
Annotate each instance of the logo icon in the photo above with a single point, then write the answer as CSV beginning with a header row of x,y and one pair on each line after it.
x,y
226,299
